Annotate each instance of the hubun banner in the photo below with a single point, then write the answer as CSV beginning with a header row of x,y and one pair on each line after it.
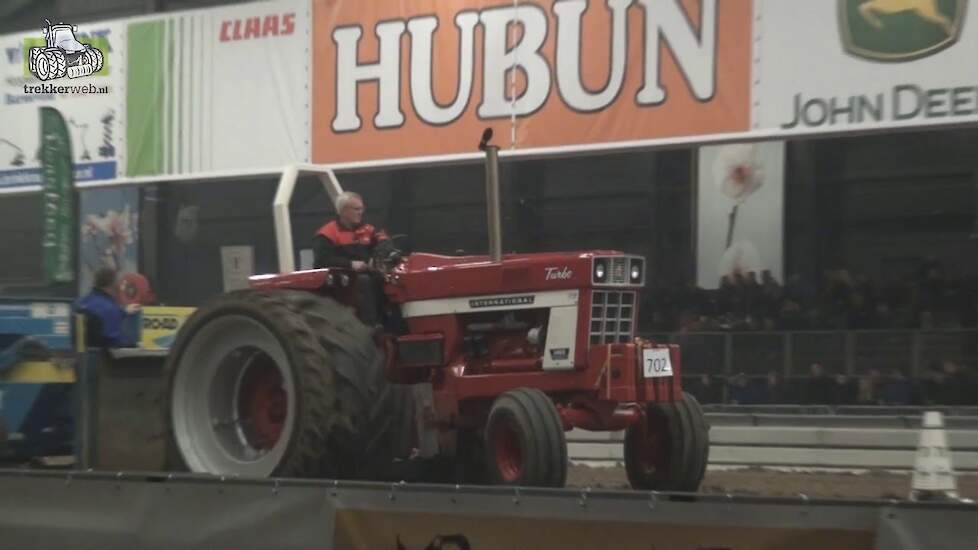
x,y
425,77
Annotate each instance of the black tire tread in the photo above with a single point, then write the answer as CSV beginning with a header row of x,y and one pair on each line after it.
x,y
57,62
544,443
556,464
96,58
699,456
688,447
342,394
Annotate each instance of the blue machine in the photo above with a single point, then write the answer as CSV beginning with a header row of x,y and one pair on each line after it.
x,y
48,321
37,378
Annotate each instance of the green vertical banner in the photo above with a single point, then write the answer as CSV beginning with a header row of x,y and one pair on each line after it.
x,y
57,177
146,111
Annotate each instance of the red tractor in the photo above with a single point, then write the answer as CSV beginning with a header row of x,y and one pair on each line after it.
x,y
501,356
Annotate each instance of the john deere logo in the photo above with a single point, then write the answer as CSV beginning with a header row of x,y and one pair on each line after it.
x,y
63,55
899,30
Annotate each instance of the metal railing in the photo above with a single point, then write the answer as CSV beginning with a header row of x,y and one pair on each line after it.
x,y
957,411
790,353
847,438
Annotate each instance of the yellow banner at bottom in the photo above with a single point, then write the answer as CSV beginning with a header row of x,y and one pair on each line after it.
x,y
359,529
160,325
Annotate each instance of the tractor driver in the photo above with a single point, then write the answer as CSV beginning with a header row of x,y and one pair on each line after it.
x,y
347,242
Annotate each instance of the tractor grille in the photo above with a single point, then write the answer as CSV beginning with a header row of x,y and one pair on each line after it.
x,y
618,274
612,316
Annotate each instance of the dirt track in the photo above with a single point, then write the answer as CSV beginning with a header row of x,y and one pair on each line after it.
x,y
875,485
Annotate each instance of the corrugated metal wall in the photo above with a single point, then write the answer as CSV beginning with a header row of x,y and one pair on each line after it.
x,y
20,15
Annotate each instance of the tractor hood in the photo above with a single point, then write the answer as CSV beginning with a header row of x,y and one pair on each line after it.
x,y
430,276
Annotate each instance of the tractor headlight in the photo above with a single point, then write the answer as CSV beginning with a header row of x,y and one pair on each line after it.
x,y
600,270
636,271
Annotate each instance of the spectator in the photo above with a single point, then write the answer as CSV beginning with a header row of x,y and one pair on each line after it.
x,y
791,316
752,294
843,391
896,390
863,309
706,390
799,291
884,316
960,384
836,301
968,303
869,386
741,392
775,389
104,316
739,305
771,295
818,388
935,389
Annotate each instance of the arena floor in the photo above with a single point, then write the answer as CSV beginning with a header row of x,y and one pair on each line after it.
x,y
872,485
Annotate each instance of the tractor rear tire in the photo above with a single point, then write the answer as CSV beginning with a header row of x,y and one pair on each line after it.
x,y
281,383
669,448
33,55
96,59
57,64
524,441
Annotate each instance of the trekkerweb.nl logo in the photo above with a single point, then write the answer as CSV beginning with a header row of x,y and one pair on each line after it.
x,y
899,30
63,55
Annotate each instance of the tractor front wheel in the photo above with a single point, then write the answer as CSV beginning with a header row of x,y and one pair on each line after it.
x,y
524,441
42,67
668,449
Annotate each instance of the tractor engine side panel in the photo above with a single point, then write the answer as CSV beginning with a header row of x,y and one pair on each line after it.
x,y
506,332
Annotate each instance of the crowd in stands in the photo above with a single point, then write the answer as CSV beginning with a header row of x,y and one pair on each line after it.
x,y
842,301
944,383
929,299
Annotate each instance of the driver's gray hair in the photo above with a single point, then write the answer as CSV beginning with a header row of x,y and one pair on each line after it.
x,y
344,198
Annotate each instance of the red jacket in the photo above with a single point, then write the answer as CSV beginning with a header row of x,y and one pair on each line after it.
x,y
337,246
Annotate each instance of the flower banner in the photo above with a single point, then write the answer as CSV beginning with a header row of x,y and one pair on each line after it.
x,y
740,212
109,233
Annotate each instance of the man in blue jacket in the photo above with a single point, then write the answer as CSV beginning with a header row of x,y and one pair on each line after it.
x,y
104,314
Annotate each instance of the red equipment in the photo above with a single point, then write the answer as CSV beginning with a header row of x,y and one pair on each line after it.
x,y
502,355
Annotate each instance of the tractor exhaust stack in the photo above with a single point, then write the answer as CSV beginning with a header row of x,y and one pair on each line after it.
x,y
492,196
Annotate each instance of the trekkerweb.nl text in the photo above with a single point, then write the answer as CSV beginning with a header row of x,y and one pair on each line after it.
x,y
52,89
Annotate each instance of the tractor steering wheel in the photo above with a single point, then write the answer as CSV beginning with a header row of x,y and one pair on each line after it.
x,y
386,256
385,259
